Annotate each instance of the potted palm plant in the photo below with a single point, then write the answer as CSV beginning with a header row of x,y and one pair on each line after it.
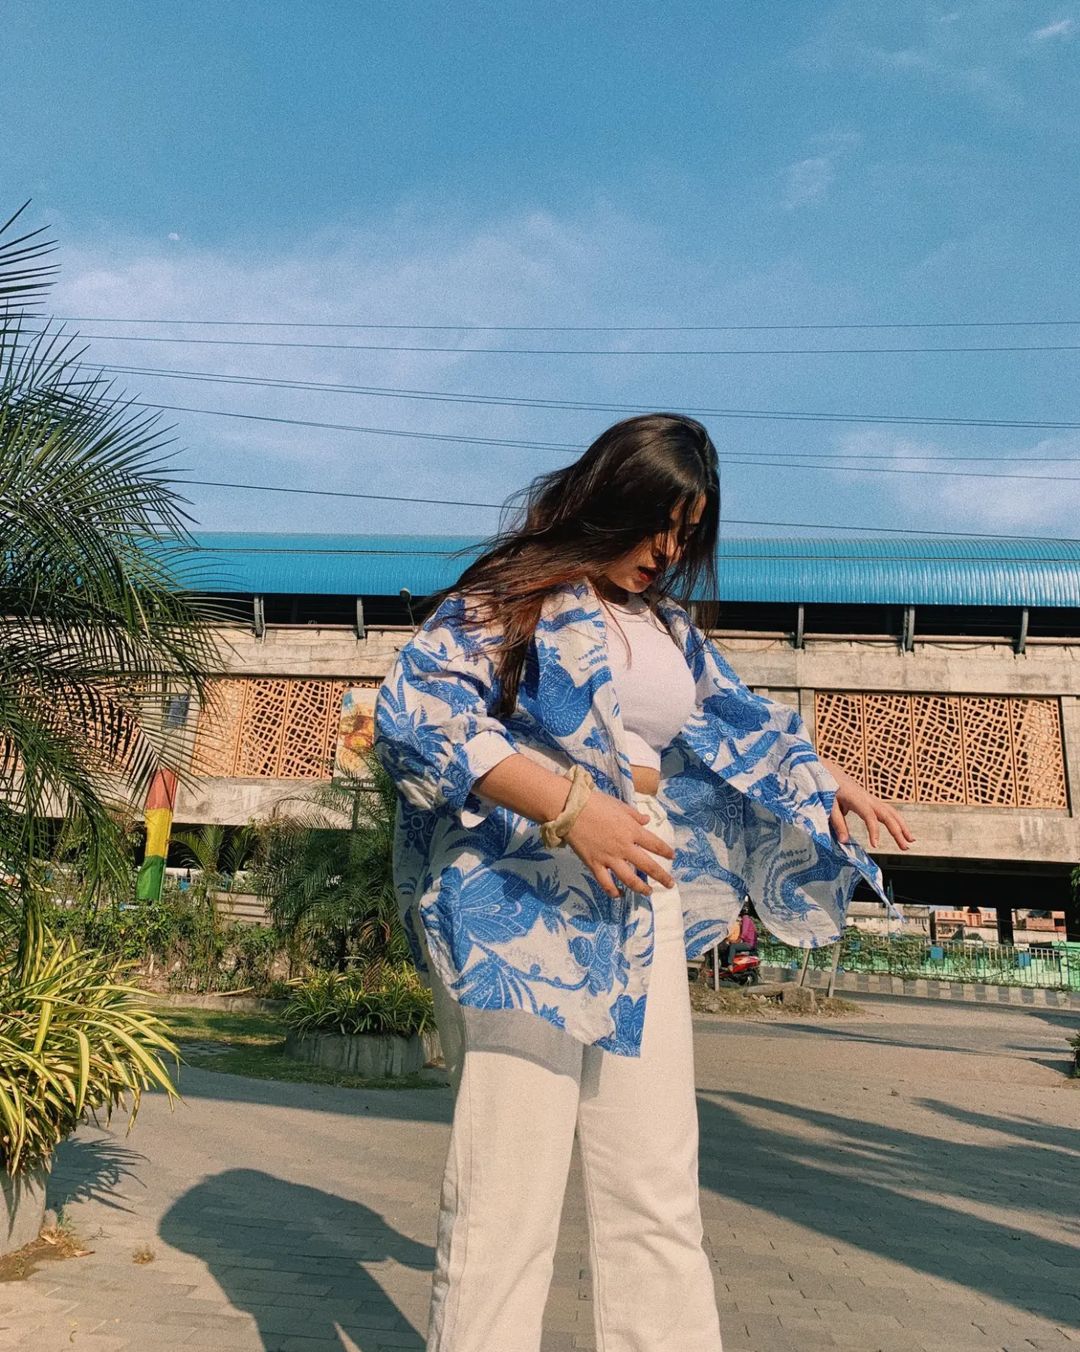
x,y
324,865
370,1023
75,1039
95,633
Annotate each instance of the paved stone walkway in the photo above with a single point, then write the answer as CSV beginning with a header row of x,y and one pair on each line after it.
x,y
908,1181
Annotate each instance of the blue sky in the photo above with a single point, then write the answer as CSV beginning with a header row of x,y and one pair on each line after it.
x,y
572,164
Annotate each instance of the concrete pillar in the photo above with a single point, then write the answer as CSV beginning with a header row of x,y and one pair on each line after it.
x,y
1070,728
806,710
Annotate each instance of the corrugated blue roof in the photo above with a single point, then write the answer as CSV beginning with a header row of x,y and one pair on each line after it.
x,y
874,569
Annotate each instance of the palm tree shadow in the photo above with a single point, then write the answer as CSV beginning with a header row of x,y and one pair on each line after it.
x,y
295,1258
851,1180
92,1171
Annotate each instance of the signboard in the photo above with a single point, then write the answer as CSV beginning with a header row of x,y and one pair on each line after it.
x,y
356,729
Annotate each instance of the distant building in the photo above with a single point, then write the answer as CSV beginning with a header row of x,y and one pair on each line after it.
x,y
980,924
943,673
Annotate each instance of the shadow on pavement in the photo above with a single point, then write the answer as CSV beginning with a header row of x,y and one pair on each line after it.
x,y
1063,1141
295,1258
957,1039
851,1180
91,1171
407,1105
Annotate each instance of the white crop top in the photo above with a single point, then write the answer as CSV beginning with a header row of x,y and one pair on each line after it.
x,y
653,683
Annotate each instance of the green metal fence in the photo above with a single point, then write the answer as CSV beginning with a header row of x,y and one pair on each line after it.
x,y
1052,965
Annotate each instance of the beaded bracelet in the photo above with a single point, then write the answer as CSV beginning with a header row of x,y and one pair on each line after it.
x,y
553,833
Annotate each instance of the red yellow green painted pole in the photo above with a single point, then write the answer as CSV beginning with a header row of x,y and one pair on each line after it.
x,y
159,811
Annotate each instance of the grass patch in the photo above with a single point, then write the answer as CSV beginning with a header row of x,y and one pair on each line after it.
x,y
253,1045
187,1023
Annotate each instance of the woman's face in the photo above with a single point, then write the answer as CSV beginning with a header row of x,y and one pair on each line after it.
x,y
636,569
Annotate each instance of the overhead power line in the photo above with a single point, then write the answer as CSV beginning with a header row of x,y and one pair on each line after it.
x,y
511,443
740,459
478,440
336,493
727,521
814,558
577,405
848,468
350,552
557,351
582,328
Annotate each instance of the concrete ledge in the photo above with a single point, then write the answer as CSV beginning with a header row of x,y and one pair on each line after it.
x,y
22,1206
375,1055
243,1004
927,988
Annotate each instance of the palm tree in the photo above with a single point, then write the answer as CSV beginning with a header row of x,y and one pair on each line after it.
x,y
95,632
327,873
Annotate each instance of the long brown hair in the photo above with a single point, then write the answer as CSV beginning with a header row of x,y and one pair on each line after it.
x,y
575,521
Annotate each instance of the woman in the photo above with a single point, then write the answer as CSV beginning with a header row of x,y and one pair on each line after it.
x,y
554,919
741,936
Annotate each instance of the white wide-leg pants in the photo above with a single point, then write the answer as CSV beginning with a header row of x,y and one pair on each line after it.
x,y
523,1088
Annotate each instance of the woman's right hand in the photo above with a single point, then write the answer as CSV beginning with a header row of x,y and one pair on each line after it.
x,y
610,837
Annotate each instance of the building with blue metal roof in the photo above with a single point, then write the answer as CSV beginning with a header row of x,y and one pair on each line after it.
x,y
868,570
943,672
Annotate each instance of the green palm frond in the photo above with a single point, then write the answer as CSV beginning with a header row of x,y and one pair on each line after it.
x,y
327,871
23,275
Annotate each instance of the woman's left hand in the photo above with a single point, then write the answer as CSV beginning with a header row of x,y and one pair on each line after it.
x,y
852,797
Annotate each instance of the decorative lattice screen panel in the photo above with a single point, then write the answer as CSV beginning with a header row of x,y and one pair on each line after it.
x,y
938,749
269,728
982,750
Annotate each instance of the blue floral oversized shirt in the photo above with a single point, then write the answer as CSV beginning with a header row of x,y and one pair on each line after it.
x,y
511,924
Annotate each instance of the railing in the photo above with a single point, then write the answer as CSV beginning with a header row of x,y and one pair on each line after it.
x,y
1051,965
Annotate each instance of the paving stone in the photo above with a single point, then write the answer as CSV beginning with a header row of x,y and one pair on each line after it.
x,y
862,1221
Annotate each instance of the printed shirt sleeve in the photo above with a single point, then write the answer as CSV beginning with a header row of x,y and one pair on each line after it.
x,y
763,736
762,747
434,730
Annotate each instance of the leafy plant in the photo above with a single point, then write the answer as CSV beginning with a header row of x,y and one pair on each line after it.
x,y
391,1000
182,935
74,1037
327,873
218,853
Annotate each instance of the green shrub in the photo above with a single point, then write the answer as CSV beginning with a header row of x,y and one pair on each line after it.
x,y
73,1038
387,999
1074,1043
182,935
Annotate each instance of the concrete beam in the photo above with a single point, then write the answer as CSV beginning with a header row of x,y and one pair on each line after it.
x,y
959,833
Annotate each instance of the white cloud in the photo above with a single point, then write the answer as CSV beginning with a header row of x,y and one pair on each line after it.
x,y
599,267
969,502
173,235
807,181
1064,28
973,51
838,140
